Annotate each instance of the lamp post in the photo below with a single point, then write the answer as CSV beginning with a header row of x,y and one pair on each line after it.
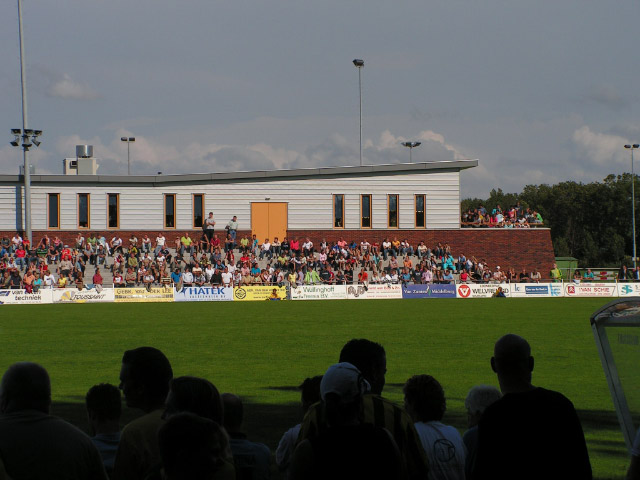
x,y
128,140
633,202
411,146
359,64
25,137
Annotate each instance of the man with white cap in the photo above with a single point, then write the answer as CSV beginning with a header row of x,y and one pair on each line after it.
x,y
371,360
348,448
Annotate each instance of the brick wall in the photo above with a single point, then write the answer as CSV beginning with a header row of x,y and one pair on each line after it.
x,y
517,248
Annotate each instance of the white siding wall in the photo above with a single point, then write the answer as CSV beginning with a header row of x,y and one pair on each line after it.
x,y
309,200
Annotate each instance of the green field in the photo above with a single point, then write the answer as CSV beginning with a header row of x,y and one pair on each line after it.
x,y
262,350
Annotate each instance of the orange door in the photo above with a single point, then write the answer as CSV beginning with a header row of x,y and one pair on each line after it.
x,y
268,220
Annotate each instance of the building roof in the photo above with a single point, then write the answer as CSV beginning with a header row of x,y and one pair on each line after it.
x,y
264,175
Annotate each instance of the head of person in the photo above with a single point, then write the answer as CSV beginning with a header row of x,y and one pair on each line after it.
x,y
191,447
233,412
478,399
369,358
25,386
341,390
104,405
195,395
144,378
512,361
310,391
424,398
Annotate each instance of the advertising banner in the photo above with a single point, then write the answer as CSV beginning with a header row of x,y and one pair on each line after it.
x,y
154,294
319,292
73,295
590,290
20,297
629,289
384,290
258,292
480,290
522,290
429,291
203,294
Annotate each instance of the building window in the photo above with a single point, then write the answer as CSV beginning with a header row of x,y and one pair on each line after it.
x,y
170,210
338,211
421,220
365,211
198,210
84,215
113,210
392,203
53,220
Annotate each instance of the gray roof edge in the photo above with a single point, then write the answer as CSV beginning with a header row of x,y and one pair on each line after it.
x,y
246,175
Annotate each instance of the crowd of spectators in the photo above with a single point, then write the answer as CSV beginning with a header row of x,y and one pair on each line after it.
x,y
188,430
514,217
214,261
185,261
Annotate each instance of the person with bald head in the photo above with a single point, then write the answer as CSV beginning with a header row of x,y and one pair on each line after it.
x,y
530,432
34,444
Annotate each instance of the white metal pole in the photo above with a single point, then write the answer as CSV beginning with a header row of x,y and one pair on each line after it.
x,y
633,209
128,158
27,173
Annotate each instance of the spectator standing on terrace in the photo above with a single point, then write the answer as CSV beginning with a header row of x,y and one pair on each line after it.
x,y
623,274
370,359
252,460
144,381
425,401
104,407
555,274
530,432
34,444
588,275
232,228
209,225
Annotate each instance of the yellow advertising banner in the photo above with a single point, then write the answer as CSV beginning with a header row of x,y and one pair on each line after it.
x,y
260,292
155,294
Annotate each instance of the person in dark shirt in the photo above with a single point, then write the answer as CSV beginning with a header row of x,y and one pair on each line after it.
x,y
531,432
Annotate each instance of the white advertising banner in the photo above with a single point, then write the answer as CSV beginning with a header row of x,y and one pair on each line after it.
x,y
20,297
319,292
73,295
629,289
203,294
481,290
590,290
522,290
384,290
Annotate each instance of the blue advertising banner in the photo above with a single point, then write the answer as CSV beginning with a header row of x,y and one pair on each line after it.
x,y
429,291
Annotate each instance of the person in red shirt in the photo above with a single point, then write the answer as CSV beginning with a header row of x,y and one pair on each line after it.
x,y
21,257
97,278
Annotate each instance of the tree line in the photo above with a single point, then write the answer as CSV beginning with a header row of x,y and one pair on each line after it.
x,y
588,221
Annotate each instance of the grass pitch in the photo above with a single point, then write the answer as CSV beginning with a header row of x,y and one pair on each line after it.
x,y
263,350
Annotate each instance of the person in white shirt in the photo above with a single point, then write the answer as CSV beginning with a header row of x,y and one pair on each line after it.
x,y
227,278
160,241
266,249
49,279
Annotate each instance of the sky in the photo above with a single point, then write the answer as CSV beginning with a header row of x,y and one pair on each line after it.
x,y
538,91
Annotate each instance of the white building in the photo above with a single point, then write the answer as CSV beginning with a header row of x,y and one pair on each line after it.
x,y
269,203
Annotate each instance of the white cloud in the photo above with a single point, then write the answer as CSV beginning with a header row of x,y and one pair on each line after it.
x,y
600,148
68,88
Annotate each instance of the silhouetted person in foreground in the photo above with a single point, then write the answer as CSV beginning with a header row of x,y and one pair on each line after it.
x,y
252,460
34,444
477,401
530,432
192,448
144,381
104,407
370,359
348,448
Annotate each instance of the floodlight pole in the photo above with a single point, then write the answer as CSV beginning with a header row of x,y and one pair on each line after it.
x,y
27,172
411,146
359,64
633,203
128,140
